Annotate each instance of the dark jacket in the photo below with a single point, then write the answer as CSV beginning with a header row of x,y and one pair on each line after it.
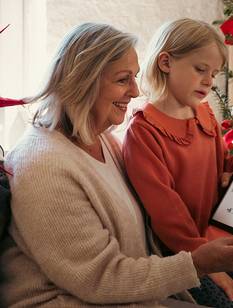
x,y
5,196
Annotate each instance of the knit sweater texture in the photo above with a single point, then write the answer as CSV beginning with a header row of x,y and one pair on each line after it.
x,y
76,245
179,167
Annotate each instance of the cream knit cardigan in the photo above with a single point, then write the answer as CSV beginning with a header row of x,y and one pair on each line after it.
x,y
76,246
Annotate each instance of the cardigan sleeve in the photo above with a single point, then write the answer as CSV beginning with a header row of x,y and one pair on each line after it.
x,y
72,247
148,172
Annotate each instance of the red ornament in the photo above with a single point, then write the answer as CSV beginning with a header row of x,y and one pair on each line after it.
x,y
7,102
227,29
226,124
228,137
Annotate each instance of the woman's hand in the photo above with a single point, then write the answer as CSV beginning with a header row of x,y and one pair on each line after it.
x,y
225,282
214,257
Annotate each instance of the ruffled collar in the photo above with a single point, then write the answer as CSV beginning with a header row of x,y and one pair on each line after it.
x,y
181,131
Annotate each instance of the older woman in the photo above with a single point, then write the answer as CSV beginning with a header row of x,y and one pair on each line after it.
x,y
78,232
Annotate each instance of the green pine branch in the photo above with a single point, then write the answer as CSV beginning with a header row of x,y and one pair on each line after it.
x,y
223,103
222,98
228,8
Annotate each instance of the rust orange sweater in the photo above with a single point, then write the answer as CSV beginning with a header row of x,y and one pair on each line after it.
x,y
175,166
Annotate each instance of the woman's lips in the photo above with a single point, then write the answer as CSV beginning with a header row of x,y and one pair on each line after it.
x,y
121,106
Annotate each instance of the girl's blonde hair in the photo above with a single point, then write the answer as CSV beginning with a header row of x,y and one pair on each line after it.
x,y
74,78
178,38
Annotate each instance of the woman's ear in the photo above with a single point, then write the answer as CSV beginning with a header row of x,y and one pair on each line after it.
x,y
164,61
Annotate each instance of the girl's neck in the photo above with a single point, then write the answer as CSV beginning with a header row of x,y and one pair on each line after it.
x,y
174,109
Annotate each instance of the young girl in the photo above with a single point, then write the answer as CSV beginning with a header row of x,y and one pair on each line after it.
x,y
173,149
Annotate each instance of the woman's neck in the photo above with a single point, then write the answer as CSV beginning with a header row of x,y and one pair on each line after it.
x,y
95,149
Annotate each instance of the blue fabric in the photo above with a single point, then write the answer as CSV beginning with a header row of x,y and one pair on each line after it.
x,y
210,294
5,196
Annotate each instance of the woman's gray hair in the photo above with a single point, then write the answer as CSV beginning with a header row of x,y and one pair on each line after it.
x,y
178,38
74,78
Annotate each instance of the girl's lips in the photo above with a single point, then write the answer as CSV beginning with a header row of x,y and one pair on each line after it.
x,y
201,93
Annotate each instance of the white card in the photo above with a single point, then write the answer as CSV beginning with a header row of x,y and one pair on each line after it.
x,y
224,211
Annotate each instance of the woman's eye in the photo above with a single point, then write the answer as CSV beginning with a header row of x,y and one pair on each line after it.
x,y
123,80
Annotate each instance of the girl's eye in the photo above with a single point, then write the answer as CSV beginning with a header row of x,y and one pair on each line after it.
x,y
201,70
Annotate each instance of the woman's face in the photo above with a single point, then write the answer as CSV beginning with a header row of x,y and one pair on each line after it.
x,y
117,87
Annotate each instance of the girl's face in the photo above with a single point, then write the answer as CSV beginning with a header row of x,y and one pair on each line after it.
x,y
189,79
117,87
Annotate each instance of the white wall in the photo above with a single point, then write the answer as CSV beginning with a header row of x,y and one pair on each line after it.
x,y
141,17
37,27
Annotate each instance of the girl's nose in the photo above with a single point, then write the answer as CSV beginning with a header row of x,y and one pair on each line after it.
x,y
208,80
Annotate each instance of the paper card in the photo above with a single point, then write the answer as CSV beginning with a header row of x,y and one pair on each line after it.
x,y
223,215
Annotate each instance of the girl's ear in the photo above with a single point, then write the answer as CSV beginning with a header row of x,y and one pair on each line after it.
x,y
164,61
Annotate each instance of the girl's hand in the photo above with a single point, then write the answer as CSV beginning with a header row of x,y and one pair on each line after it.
x,y
225,282
226,176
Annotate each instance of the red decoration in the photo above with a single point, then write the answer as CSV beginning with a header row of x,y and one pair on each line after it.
x,y
4,170
230,146
6,102
227,29
228,137
226,124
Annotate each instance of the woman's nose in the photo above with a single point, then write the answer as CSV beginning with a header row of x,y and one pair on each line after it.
x,y
134,91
